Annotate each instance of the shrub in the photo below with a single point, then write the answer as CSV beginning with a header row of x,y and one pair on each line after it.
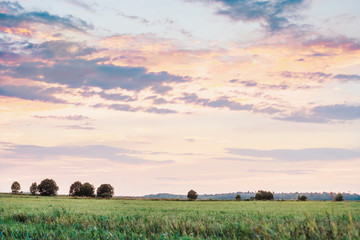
x,y
33,188
105,191
48,187
192,195
238,197
15,187
339,197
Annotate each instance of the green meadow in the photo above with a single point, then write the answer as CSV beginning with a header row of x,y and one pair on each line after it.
x,y
36,217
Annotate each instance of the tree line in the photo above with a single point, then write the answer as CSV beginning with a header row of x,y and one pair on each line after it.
x,y
48,187
267,195
259,195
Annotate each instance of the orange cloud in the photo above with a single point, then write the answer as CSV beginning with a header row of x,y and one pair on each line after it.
x,y
18,31
257,61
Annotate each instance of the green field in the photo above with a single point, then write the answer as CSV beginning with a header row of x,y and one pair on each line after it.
x,y
35,217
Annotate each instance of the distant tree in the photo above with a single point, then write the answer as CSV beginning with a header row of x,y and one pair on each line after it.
x,y
192,195
48,187
302,198
87,190
75,189
258,196
238,197
105,191
264,195
33,188
15,187
339,197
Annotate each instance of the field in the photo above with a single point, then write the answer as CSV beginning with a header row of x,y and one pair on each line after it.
x,y
35,217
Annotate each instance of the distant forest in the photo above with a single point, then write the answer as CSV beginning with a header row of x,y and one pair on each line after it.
x,y
324,196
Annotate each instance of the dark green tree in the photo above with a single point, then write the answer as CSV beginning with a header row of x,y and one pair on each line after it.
x,y
105,191
238,197
192,195
302,198
75,189
34,188
87,190
339,197
48,187
264,195
15,187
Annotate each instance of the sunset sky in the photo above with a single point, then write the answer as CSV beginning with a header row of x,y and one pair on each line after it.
x,y
172,95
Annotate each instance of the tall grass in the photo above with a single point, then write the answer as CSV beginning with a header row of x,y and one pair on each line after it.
x,y
68,218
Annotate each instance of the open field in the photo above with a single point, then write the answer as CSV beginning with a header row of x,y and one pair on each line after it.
x,y
35,217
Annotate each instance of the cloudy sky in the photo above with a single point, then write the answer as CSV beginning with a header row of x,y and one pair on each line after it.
x,y
169,95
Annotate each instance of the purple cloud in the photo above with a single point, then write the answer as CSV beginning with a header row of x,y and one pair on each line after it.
x,y
347,77
160,110
78,127
274,14
79,73
348,44
60,49
296,155
116,154
325,114
31,93
16,16
222,102
70,117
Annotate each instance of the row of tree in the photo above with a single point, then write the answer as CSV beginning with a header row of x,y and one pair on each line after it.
x,y
48,187
264,195
88,190
260,195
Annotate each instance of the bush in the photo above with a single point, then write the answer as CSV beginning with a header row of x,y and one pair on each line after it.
x,y
15,187
48,187
339,197
33,188
105,191
264,195
192,195
238,197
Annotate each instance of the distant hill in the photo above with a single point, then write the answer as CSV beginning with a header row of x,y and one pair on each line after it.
x,y
315,196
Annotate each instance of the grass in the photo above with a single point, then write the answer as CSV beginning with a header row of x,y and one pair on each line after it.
x,y
35,217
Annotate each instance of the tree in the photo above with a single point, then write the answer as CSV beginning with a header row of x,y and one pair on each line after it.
x,y
33,188
302,198
264,195
339,197
192,195
15,187
48,187
105,191
75,189
238,197
87,190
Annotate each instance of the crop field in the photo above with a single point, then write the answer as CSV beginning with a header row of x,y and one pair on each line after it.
x,y
35,217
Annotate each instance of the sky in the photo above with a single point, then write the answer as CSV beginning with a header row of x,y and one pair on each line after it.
x,y
165,96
